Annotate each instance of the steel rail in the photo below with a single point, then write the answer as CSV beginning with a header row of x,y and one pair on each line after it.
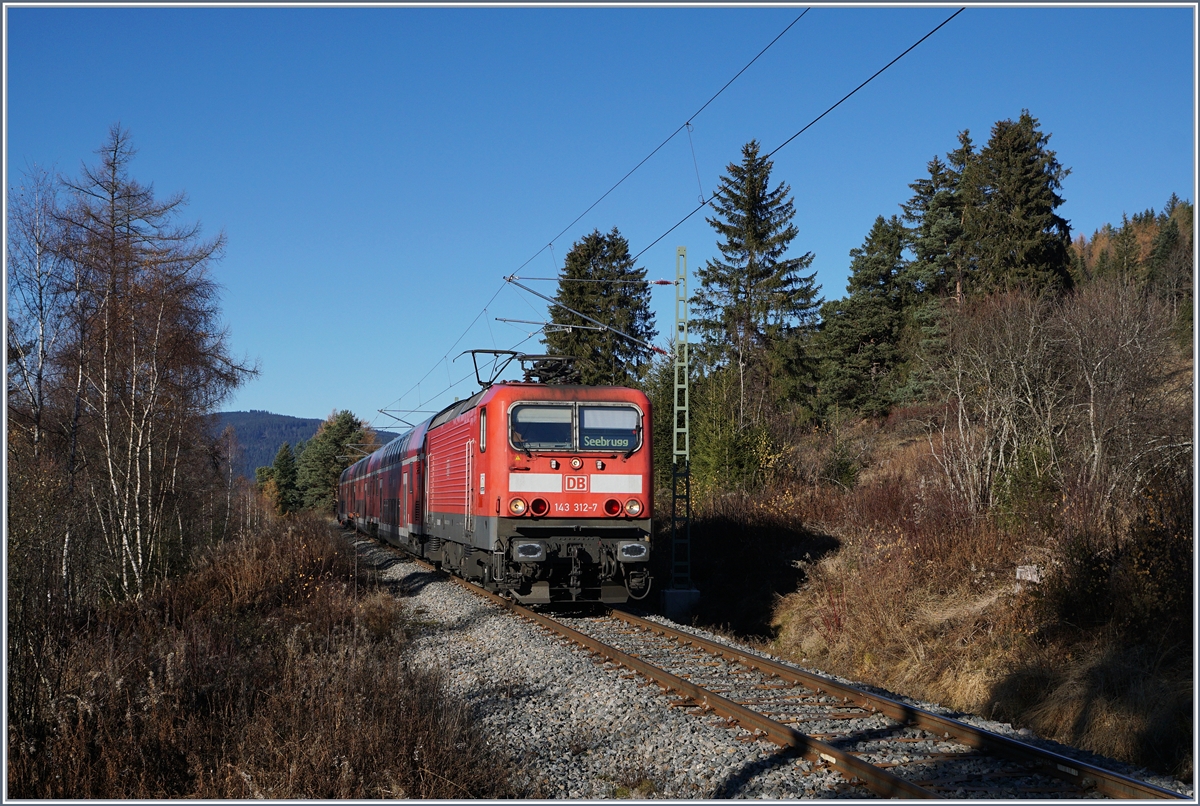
x,y
1083,775
878,780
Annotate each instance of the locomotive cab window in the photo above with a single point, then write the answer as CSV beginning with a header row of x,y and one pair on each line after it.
x,y
608,428
541,428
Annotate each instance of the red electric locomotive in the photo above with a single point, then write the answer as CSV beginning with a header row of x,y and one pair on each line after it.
x,y
539,490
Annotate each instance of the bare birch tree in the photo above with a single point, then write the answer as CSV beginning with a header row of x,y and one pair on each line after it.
x,y
152,360
1004,388
1132,399
36,304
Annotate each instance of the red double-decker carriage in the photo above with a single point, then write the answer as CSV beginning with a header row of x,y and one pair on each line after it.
x,y
542,491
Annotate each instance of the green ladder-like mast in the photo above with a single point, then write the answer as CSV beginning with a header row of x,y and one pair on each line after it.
x,y
681,479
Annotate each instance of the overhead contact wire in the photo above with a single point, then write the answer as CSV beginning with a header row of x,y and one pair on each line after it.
x,y
865,83
695,164
670,137
468,376
705,203
452,346
550,244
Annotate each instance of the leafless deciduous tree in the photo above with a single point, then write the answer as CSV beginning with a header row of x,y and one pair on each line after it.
x,y
157,359
119,356
1131,402
116,357
1085,389
1005,393
36,292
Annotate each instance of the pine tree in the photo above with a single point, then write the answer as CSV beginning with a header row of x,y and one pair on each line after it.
x,y
1011,193
600,280
861,332
754,308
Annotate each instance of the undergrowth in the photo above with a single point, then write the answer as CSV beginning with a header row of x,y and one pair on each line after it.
x,y
910,591
273,670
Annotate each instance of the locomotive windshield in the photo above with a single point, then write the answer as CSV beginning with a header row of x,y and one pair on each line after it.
x,y
550,427
542,428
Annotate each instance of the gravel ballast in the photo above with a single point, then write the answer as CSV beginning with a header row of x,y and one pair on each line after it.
x,y
579,728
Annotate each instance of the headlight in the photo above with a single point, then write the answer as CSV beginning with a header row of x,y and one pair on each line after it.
x,y
517,506
633,507
632,551
528,552
576,463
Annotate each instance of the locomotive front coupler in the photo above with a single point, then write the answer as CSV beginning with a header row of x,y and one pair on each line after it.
x,y
574,578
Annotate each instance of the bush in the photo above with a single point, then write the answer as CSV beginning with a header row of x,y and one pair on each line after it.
x,y
1135,584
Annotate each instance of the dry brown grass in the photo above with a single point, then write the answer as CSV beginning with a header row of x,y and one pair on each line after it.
x,y
271,671
922,599
1130,702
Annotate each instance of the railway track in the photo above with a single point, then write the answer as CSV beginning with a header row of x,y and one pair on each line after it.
x,y
932,755
878,745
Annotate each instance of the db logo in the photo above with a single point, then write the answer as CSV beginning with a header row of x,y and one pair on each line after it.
x,y
576,484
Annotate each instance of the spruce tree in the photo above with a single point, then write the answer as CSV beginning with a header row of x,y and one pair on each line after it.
x,y
935,211
1125,254
1169,267
599,280
754,309
1016,238
283,471
861,332
962,169
1102,265
936,241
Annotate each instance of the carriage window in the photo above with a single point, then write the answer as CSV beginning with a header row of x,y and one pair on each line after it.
x,y
482,430
542,428
608,428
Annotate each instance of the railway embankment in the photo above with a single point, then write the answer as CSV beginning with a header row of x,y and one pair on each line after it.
x,y
578,725
287,665
1035,613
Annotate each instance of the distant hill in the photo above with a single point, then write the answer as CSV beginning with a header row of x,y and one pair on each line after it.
x,y
260,433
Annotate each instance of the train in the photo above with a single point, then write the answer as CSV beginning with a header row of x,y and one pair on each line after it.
x,y
537,491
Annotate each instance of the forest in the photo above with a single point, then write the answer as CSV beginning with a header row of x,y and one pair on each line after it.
x,y
260,434
869,473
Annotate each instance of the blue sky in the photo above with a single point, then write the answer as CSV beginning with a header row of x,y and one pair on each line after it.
x,y
378,171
